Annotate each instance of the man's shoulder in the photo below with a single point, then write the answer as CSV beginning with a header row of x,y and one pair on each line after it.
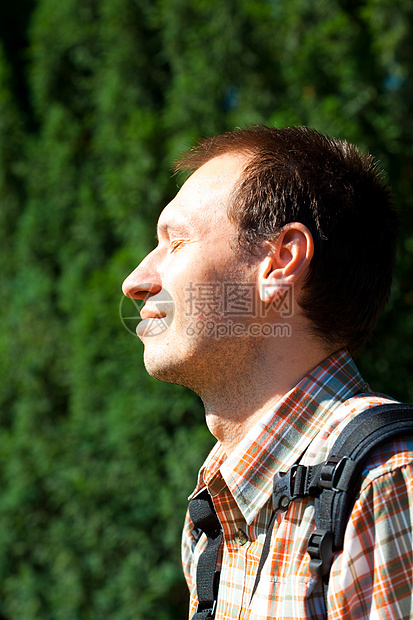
x,y
388,457
356,404
341,414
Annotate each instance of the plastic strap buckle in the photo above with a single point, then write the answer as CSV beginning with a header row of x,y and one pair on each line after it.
x,y
288,486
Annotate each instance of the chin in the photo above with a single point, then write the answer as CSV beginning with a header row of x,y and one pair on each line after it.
x,y
162,367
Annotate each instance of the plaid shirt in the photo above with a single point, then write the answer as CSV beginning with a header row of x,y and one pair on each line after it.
x,y
372,577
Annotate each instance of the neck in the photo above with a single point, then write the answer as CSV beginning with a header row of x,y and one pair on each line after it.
x,y
242,394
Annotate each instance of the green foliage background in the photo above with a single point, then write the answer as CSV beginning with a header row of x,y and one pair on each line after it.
x,y
97,98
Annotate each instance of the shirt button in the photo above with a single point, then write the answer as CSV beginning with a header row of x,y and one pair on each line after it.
x,y
240,538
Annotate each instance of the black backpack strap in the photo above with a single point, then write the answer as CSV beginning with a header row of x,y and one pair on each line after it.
x,y
337,486
204,518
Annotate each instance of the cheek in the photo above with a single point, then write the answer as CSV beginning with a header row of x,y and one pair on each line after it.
x,y
199,281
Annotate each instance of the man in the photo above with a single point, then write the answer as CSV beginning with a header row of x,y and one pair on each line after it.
x,y
289,237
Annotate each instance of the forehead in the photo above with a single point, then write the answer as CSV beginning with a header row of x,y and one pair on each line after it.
x,y
205,195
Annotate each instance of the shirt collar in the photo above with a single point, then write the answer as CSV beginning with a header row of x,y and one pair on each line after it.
x,y
282,435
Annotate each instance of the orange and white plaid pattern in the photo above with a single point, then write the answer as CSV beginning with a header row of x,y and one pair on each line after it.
x,y
373,576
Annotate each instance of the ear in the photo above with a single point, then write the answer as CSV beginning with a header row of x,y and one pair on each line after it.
x,y
286,260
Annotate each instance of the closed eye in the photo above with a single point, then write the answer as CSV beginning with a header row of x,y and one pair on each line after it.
x,y
175,243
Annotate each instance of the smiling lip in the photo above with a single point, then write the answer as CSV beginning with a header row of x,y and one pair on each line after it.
x,y
147,313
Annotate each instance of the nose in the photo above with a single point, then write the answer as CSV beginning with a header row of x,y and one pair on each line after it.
x,y
143,281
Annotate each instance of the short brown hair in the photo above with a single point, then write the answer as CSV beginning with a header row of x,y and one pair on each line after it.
x,y
298,174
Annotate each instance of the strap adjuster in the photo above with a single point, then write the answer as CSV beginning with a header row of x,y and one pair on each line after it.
x,y
207,607
320,549
336,472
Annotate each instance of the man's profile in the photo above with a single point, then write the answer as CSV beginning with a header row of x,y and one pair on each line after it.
x,y
274,262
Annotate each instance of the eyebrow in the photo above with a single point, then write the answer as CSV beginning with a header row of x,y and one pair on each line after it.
x,y
165,227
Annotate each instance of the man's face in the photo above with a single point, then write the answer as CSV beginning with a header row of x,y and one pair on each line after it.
x,y
180,280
